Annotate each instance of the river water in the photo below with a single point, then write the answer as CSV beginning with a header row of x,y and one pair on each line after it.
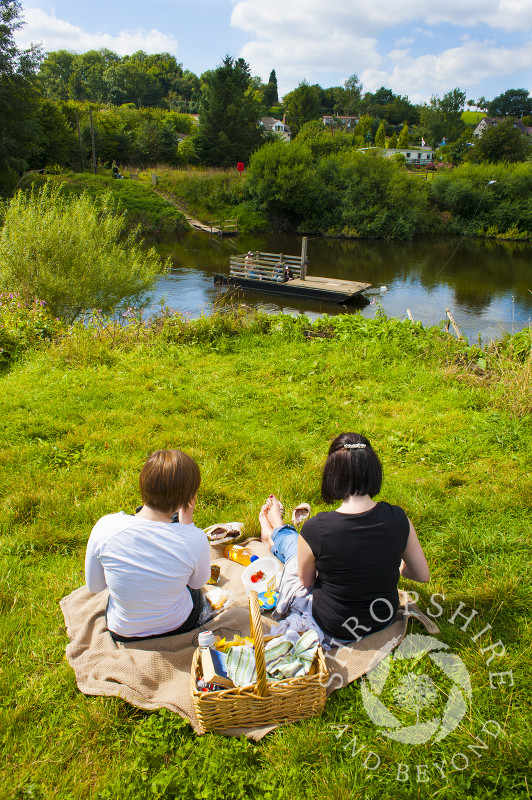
x,y
487,286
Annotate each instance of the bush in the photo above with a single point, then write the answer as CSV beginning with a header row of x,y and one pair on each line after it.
x,y
23,324
72,253
500,209
343,194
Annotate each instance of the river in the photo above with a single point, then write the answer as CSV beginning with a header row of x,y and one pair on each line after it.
x,y
487,286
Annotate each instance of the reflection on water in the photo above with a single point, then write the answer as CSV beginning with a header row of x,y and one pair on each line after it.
x,y
487,286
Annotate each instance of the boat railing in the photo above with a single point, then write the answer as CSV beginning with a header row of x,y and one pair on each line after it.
x,y
264,266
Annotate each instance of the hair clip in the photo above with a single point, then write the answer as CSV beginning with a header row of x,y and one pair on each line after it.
x,y
355,446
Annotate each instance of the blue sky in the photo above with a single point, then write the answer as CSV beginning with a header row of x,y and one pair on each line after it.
x,y
415,47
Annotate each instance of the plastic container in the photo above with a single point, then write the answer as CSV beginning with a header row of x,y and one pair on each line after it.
x,y
242,555
267,564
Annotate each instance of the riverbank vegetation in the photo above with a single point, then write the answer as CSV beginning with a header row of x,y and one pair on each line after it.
x,y
142,207
72,253
84,404
66,110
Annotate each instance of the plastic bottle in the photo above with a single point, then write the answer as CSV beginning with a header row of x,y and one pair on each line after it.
x,y
205,639
242,555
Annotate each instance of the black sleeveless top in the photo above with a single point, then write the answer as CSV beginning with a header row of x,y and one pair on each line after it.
x,y
357,559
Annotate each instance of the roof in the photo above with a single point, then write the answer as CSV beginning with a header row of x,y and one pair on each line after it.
x,y
270,122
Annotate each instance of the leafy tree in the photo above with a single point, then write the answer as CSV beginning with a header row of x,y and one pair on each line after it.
x,y
18,95
87,81
302,105
441,119
392,141
229,115
72,252
402,142
512,103
55,73
380,136
353,91
56,137
502,142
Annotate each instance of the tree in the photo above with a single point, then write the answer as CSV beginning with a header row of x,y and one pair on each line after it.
x,y
72,252
353,91
55,73
18,95
442,119
512,103
270,93
402,142
229,115
392,142
380,136
502,142
302,105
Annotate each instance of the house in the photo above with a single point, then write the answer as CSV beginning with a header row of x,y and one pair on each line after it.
x,y
346,122
490,122
277,126
413,155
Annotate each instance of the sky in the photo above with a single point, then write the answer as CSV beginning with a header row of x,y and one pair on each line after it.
x,y
417,48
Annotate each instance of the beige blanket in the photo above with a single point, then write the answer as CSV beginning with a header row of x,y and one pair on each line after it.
x,y
156,673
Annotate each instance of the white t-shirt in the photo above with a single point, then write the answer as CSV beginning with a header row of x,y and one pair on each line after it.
x,y
146,566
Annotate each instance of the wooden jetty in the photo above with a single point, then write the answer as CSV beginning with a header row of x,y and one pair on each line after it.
x,y
229,227
262,272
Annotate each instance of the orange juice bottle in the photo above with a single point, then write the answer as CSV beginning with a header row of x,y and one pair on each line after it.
x,y
242,555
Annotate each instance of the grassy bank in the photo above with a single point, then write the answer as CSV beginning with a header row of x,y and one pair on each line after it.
x,y
256,401
142,205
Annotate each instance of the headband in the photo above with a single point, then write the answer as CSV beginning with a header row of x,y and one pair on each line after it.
x,y
356,446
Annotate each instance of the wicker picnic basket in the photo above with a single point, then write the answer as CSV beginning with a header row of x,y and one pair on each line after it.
x,y
264,702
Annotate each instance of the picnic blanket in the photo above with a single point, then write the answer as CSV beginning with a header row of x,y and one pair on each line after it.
x,y
155,674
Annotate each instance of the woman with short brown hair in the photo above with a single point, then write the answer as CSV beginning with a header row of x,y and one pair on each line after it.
x,y
152,564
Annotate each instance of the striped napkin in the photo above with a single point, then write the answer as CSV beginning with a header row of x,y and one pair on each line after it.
x,y
283,658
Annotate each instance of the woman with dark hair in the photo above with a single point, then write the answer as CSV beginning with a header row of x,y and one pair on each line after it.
x,y
351,557
153,566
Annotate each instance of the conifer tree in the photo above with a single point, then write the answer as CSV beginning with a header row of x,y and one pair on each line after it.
x,y
380,136
392,141
271,96
229,115
402,142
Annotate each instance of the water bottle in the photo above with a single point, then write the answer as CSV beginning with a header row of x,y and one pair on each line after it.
x,y
242,555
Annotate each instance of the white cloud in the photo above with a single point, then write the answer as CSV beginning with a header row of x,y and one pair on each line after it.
x,y
464,66
301,18
56,34
310,38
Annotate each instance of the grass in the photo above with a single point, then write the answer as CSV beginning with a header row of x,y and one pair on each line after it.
x,y
142,205
256,400
206,192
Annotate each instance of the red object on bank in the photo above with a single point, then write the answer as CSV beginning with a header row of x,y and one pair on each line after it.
x,y
240,166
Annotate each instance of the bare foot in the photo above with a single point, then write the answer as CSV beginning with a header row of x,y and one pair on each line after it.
x,y
266,529
274,513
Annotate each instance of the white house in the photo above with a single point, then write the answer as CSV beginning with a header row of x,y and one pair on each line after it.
x,y
277,126
413,155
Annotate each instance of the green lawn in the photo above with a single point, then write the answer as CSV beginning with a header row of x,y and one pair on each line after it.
x,y
256,400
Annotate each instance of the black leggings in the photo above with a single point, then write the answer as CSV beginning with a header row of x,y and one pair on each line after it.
x,y
188,625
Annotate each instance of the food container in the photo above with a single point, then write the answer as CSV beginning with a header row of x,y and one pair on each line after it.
x,y
267,564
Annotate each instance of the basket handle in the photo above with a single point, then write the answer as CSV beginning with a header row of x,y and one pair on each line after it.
x,y
255,626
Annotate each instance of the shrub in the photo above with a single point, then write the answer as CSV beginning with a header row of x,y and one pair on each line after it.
x,y
23,324
72,253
